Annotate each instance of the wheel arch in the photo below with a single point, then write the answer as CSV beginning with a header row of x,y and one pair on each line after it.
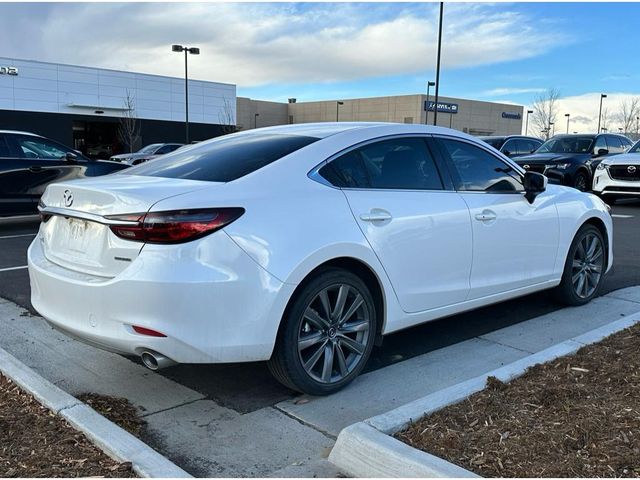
x,y
602,228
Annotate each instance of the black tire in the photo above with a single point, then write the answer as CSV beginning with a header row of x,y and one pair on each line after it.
x,y
581,181
290,361
567,292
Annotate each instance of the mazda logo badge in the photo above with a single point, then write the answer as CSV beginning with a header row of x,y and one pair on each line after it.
x,y
526,167
68,198
631,169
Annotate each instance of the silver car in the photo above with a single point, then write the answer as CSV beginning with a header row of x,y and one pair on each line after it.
x,y
146,153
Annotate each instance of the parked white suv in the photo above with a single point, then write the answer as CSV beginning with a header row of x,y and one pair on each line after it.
x,y
305,244
618,176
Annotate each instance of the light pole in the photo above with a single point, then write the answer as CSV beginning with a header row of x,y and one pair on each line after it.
x,y
620,129
602,95
192,51
637,125
567,115
526,128
338,110
435,106
255,120
429,84
552,124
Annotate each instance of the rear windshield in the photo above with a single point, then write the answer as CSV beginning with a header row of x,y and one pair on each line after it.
x,y
493,141
223,159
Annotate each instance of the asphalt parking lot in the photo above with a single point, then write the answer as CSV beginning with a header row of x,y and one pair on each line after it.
x,y
249,387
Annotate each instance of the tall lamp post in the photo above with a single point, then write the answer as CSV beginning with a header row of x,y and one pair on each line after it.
x,y
552,124
526,128
637,125
435,106
568,115
429,84
338,110
192,51
255,120
602,95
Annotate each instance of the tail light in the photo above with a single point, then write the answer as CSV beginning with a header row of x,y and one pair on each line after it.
x,y
176,226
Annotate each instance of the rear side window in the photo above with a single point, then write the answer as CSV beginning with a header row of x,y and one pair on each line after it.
x,y
396,164
223,159
615,145
4,148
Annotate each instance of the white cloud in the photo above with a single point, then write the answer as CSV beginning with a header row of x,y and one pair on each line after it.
x,y
257,44
496,92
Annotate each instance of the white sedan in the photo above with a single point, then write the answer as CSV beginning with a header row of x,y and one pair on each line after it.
x,y
618,176
304,245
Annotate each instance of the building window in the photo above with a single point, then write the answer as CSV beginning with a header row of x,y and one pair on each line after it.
x,y
408,119
290,119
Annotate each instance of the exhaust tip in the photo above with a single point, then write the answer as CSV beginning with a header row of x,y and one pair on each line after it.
x,y
149,361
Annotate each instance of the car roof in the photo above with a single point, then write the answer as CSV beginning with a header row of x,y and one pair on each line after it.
x,y
18,132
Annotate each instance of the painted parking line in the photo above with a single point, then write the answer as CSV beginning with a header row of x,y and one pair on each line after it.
x,y
18,236
618,215
13,268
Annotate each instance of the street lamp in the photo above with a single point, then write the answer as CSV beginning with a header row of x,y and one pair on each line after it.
x,y
192,51
255,120
567,115
435,106
637,125
620,129
552,124
526,128
602,95
338,110
429,84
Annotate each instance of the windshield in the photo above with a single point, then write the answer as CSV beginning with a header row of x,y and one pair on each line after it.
x,y
635,148
150,148
567,145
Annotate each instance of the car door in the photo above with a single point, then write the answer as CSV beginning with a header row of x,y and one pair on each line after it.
x,y
419,229
514,241
45,162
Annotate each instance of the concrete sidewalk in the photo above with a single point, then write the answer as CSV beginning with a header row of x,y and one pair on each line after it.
x,y
291,438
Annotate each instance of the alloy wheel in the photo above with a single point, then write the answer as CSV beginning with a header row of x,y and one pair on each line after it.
x,y
588,263
581,182
334,333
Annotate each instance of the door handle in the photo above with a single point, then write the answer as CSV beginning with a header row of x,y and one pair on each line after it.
x,y
375,216
35,169
486,216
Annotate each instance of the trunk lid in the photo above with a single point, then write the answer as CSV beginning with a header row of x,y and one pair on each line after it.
x,y
77,236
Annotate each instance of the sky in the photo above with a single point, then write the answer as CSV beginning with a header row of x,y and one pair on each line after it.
x,y
507,52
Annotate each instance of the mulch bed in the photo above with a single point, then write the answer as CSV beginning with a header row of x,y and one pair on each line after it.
x,y
119,410
34,442
577,416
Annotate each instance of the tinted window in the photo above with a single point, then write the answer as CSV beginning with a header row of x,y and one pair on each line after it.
x,y
36,147
4,148
475,169
495,142
635,148
528,146
510,147
402,163
223,159
600,144
567,145
615,145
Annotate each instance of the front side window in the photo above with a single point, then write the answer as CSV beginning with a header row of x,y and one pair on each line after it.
x,y
398,164
529,146
614,144
476,170
601,144
223,159
150,148
36,147
510,147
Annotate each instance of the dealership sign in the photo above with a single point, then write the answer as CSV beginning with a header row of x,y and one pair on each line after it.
x,y
442,107
514,116
8,70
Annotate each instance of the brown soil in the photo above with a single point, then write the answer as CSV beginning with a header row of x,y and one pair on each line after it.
x,y
119,410
578,416
34,442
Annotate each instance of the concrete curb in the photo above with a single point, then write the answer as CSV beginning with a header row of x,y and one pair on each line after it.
x,y
106,435
367,449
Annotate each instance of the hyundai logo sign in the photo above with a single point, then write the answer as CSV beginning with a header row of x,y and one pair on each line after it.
x,y
8,70
514,116
442,107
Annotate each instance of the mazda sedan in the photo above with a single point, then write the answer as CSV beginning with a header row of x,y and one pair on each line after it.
x,y
304,245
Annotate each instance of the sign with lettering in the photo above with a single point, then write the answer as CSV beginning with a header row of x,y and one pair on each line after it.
x,y
8,70
442,107
514,116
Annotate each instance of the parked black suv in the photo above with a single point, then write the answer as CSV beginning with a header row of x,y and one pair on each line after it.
x,y
513,145
572,159
28,163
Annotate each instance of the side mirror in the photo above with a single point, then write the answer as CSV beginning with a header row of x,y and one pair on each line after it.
x,y
601,152
70,157
534,184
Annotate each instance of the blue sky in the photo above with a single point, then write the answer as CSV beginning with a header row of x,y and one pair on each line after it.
x,y
272,51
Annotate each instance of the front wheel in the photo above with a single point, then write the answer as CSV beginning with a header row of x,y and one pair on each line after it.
x,y
581,181
584,267
327,334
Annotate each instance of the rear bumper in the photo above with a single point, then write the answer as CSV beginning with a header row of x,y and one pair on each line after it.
x,y
603,184
209,298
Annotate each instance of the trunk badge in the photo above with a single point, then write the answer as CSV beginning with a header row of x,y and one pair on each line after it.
x,y
68,198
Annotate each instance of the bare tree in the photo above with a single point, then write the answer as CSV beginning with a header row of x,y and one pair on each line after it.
x,y
629,110
604,120
129,131
227,118
545,111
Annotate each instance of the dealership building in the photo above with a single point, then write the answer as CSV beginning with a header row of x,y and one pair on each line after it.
x,y
82,107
